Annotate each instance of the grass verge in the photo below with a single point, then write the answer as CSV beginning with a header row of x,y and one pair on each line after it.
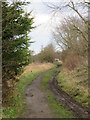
x,y
75,83
58,109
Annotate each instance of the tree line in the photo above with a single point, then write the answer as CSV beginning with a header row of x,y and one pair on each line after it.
x,y
71,35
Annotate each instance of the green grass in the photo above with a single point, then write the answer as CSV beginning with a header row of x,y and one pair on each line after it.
x,y
18,99
75,84
58,110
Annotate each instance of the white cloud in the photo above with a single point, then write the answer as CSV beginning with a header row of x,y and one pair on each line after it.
x,y
53,1
45,1
41,18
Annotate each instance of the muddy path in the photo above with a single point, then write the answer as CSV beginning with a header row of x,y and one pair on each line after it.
x,y
37,106
68,102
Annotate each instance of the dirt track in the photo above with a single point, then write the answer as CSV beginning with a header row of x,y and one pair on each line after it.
x,y
67,100
37,106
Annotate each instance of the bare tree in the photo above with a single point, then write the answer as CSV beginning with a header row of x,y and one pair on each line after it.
x,y
80,8
72,34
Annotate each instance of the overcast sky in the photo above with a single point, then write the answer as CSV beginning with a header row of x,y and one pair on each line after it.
x,y
41,35
44,22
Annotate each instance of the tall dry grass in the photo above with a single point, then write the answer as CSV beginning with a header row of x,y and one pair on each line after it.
x,y
35,67
72,61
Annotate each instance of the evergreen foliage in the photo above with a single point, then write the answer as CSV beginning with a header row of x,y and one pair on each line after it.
x,y
16,24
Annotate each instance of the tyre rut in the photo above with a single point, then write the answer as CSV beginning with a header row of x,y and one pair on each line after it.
x,y
64,98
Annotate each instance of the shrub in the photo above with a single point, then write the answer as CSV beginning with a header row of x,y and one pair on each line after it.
x,y
72,61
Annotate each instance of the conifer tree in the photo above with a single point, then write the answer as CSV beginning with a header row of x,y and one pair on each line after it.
x,y
16,23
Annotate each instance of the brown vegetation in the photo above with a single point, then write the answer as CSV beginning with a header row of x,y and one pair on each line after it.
x,y
35,67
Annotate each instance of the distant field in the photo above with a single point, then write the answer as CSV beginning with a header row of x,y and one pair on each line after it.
x,y
35,67
75,83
